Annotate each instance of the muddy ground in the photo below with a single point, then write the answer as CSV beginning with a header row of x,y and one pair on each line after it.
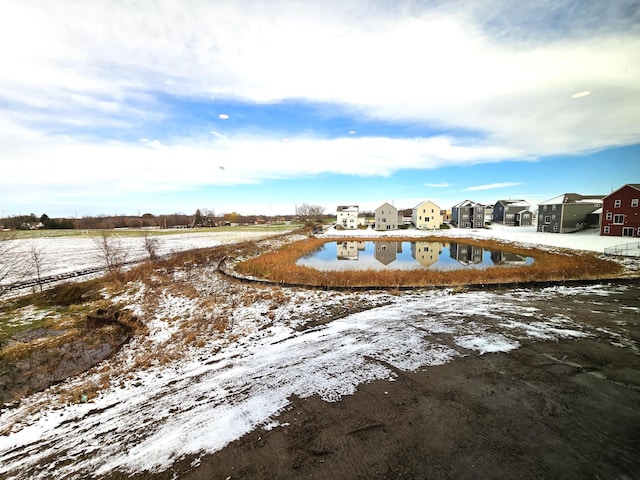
x,y
567,409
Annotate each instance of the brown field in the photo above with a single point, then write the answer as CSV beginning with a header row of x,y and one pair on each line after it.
x,y
558,265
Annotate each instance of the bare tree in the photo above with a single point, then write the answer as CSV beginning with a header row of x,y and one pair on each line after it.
x,y
36,254
112,252
12,261
151,245
309,213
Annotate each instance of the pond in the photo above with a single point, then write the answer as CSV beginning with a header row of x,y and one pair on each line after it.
x,y
395,255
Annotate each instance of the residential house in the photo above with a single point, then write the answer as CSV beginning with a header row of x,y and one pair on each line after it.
x,y
512,212
504,258
347,216
468,214
621,212
349,250
387,217
488,214
569,212
426,253
387,252
426,216
446,216
466,254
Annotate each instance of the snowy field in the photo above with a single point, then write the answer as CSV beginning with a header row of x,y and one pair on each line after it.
x,y
275,346
65,254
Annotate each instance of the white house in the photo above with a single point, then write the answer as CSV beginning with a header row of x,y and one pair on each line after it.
x,y
426,216
347,216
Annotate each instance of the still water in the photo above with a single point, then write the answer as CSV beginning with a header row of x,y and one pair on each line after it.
x,y
393,255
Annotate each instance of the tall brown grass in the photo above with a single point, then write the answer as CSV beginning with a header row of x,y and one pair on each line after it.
x,y
280,266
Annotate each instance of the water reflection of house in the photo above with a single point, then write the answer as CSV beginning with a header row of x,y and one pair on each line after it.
x,y
387,252
504,258
426,253
349,250
465,254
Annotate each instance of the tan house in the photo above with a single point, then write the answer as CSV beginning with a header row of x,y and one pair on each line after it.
x,y
426,216
426,253
387,217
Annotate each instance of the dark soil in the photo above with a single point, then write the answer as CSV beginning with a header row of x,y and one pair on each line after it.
x,y
39,367
568,409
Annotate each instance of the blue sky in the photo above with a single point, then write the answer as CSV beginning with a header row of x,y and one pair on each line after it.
x,y
256,107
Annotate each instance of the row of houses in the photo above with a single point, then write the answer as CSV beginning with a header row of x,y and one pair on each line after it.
x,y
616,214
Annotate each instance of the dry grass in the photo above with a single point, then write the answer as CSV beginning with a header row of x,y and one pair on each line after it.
x,y
280,266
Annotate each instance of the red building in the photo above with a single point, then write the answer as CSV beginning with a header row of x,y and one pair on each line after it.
x,y
621,212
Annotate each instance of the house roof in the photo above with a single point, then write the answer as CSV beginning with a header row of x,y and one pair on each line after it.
x,y
347,208
426,201
467,203
386,204
632,185
573,198
514,203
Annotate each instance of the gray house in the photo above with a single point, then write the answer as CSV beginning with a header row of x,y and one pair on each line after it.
x,y
387,217
468,214
512,212
569,212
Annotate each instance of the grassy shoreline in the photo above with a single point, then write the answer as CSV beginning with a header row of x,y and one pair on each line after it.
x,y
280,266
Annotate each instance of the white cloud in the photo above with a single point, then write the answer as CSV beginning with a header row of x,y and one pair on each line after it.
x,y
390,64
151,165
437,185
492,186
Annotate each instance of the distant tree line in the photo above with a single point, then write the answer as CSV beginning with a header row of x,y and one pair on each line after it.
x,y
305,213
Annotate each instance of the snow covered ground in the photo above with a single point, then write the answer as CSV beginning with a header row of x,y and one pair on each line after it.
x,y
224,389
64,254
275,346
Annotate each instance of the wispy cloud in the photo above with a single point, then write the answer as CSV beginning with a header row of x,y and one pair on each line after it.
x,y
492,186
437,185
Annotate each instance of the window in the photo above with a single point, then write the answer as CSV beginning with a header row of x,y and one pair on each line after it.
x,y
553,208
553,217
547,220
607,229
609,215
617,203
618,219
627,232
634,202
544,208
555,227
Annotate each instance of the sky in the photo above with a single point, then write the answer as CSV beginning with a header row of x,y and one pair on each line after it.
x,y
118,107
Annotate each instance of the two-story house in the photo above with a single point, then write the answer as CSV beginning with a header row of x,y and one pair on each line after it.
x,y
387,217
426,253
621,212
426,216
468,214
347,216
569,212
512,212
